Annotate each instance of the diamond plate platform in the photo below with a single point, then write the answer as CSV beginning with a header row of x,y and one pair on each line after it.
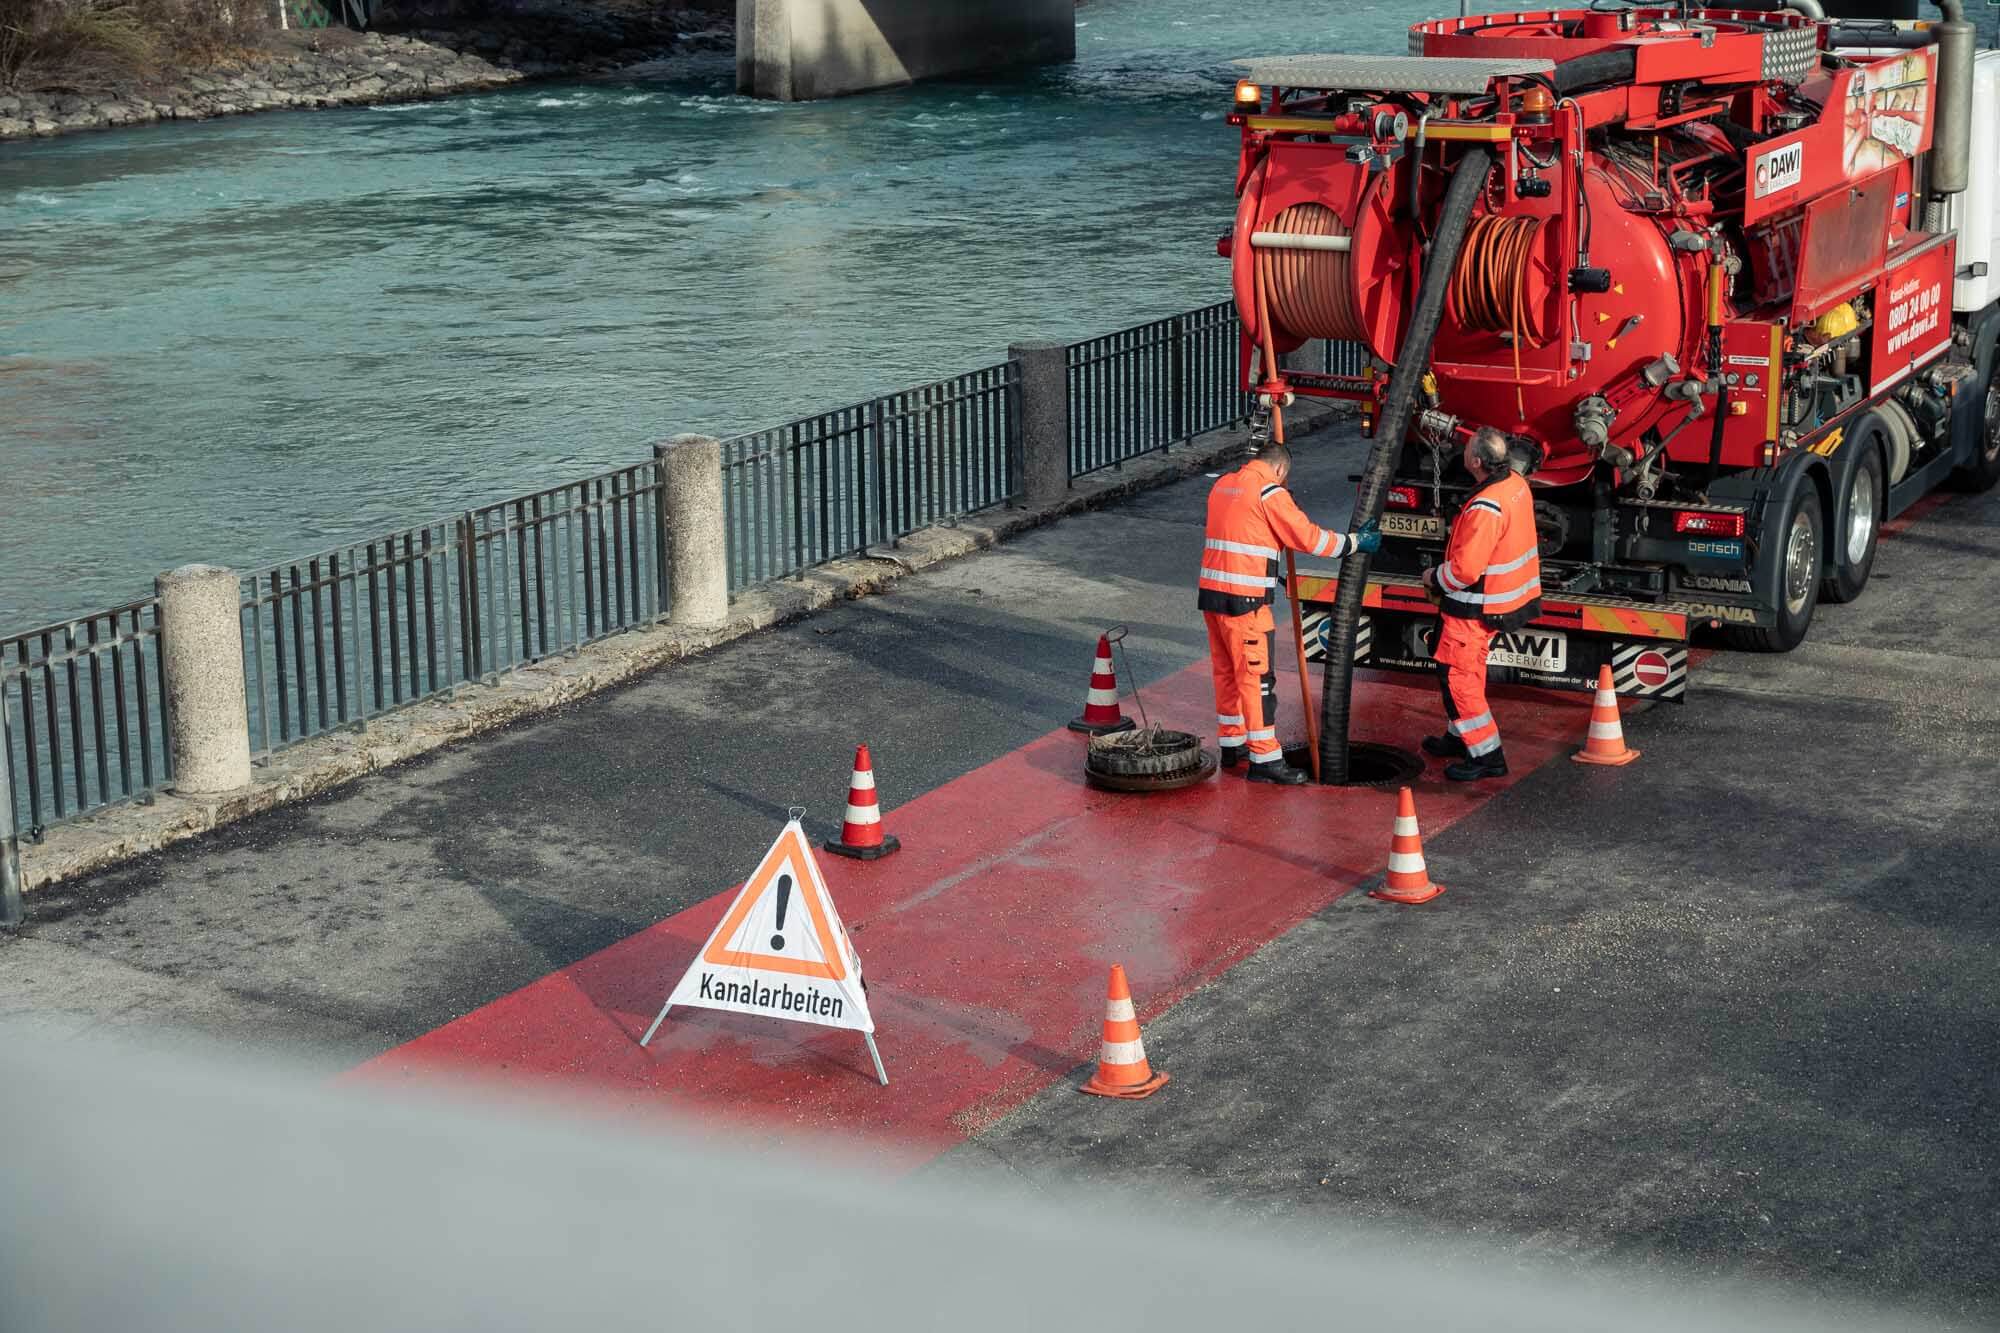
x,y
1428,74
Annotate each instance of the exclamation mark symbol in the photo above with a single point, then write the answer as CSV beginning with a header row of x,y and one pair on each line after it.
x,y
784,900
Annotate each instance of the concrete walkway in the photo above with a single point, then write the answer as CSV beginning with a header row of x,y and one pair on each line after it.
x,y
1732,1007
362,918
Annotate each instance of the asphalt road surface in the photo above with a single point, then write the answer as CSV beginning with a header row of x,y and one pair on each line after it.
x,y
1732,1008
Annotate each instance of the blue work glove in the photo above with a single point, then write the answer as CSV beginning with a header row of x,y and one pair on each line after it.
x,y
1367,538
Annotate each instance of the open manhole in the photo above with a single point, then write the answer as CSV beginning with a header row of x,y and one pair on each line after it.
x,y
1368,764
1149,759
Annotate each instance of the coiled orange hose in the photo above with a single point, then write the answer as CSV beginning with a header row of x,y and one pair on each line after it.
x,y
1489,288
1310,292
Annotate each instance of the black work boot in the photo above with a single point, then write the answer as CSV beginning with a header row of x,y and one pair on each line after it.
x,y
1444,747
1281,773
1232,755
1492,764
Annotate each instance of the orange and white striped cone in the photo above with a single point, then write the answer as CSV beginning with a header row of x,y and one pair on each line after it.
x,y
1122,1070
1100,706
1408,880
1604,743
861,835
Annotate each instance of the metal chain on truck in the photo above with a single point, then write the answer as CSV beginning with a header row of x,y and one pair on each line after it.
x,y
1260,426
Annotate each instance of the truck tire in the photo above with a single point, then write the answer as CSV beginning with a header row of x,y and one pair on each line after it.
x,y
1857,515
1801,527
1984,470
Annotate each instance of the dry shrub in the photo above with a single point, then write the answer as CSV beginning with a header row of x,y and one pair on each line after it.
x,y
94,44
198,31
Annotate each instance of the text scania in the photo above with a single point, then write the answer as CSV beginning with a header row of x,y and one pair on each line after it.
x,y
781,998
1735,615
1914,310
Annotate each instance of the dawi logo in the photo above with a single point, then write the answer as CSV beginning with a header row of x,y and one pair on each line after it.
x,y
1781,169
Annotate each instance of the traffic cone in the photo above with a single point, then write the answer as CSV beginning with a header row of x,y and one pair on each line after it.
x,y
1408,881
1100,706
1122,1070
861,835
1605,741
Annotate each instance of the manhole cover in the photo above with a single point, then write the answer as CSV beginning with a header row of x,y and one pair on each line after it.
x,y
1368,764
1147,760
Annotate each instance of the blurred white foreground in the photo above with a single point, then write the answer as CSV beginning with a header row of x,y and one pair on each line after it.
x,y
207,1194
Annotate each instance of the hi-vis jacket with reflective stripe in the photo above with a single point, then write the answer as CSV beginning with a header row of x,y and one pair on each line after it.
x,y
1252,518
1492,571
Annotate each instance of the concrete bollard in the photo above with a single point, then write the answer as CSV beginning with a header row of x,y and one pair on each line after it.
x,y
201,654
1044,420
695,522
12,910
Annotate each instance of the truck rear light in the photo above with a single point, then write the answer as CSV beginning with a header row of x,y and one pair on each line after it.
x,y
1400,497
1248,94
1699,523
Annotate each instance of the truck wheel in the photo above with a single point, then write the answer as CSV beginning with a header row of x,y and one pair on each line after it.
x,y
1984,469
1857,520
1799,564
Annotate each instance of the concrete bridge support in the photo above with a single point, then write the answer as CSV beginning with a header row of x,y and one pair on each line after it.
x,y
798,50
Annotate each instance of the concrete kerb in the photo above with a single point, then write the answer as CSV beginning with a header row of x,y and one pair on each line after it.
x,y
124,832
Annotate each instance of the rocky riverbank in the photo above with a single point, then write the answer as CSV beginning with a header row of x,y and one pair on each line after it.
x,y
323,67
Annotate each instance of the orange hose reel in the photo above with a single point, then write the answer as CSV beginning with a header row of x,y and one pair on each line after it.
x,y
1311,292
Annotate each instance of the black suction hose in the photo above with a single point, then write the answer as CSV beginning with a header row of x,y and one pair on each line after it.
x,y
1468,182
1620,64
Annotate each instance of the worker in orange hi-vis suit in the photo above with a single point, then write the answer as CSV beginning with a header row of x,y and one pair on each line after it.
x,y
1491,579
1252,520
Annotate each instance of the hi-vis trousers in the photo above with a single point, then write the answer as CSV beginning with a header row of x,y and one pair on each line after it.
x,y
1461,659
1246,686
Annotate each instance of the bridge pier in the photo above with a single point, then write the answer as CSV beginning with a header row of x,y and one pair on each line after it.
x,y
799,50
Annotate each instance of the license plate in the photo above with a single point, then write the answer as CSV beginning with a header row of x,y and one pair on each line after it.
x,y
1530,650
1412,525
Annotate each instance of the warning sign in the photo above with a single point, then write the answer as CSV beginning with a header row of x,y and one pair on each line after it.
x,y
780,950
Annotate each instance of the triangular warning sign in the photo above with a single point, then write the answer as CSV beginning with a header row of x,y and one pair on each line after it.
x,y
780,950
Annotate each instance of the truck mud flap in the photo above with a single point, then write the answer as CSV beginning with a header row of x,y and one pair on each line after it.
x,y
1318,628
1641,668
1650,670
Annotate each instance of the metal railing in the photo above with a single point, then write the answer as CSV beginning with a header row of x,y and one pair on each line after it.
x,y
86,723
1339,358
1144,389
835,483
338,638
547,573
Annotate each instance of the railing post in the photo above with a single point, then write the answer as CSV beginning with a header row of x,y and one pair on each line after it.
x,y
12,910
474,654
201,656
1177,390
1044,420
662,586
696,524
878,451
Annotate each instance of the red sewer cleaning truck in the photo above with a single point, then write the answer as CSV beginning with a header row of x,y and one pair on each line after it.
x,y
1724,276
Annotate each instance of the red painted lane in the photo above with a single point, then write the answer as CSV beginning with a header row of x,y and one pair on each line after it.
x,y
987,939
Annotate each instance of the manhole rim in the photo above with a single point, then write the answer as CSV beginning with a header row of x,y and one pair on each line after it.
x,y
1399,767
1142,783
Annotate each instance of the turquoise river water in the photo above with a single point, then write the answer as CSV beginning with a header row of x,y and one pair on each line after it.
x,y
251,339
